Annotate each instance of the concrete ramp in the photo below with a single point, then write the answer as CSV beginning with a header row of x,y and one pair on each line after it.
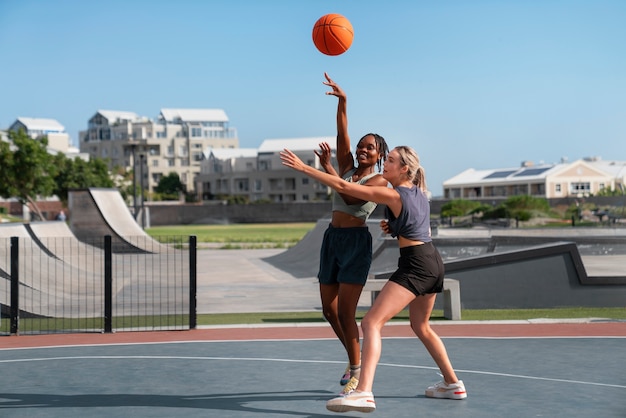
x,y
57,239
47,284
303,259
97,212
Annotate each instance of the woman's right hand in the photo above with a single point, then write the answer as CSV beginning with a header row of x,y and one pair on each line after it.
x,y
323,154
384,225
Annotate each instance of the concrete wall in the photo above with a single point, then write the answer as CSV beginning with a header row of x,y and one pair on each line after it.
x,y
225,214
544,276
215,213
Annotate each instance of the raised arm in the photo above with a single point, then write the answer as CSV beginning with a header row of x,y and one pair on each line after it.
x,y
378,194
345,160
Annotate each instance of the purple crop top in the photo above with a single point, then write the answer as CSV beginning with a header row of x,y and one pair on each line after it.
x,y
414,220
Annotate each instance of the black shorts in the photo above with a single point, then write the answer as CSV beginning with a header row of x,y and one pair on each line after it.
x,y
345,256
420,269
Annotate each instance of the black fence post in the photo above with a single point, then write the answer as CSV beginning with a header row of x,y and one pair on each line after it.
x,y
15,285
193,285
108,285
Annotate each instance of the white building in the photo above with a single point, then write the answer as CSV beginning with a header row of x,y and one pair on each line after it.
x,y
258,174
174,142
58,139
576,179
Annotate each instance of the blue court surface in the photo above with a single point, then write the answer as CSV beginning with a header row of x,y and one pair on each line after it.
x,y
504,377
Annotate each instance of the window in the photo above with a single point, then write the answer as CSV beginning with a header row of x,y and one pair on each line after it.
x,y
557,188
582,187
196,132
155,163
242,185
305,180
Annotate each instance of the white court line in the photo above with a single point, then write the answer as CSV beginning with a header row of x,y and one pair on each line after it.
x,y
279,360
258,340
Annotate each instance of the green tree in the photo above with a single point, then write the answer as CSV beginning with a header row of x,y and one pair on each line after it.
x,y
459,207
77,173
170,186
26,169
525,207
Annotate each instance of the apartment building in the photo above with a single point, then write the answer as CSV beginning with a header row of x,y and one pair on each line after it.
x,y
174,142
58,139
580,178
258,174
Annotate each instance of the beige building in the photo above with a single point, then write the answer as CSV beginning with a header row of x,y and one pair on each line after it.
x,y
174,142
576,179
58,139
258,174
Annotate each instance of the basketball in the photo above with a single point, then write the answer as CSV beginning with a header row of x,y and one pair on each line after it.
x,y
333,34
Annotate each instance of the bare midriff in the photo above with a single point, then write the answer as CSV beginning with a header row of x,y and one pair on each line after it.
x,y
343,220
404,242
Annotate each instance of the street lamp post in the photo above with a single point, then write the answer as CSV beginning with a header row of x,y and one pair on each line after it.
x,y
143,208
132,148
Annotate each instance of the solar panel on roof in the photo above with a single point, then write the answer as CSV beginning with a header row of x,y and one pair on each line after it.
x,y
532,171
499,174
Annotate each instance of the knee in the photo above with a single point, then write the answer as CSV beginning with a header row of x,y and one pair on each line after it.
x,y
371,324
422,330
330,315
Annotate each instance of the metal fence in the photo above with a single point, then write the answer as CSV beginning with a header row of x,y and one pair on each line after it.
x,y
62,285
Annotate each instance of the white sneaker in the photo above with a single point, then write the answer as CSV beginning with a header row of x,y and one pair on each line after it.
x,y
353,401
442,390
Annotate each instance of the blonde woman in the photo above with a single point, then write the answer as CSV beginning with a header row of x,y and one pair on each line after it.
x,y
415,283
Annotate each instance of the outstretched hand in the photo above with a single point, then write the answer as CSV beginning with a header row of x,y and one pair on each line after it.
x,y
290,159
324,153
337,91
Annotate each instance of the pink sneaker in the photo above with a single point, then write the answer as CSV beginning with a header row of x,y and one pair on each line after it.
x,y
346,376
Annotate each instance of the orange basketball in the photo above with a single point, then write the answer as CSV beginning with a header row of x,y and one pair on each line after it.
x,y
333,34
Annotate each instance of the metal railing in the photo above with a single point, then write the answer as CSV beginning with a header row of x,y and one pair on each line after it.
x,y
62,285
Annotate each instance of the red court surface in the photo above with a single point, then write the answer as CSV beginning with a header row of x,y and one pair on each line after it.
x,y
303,332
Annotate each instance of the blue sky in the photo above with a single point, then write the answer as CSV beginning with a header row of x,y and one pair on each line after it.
x,y
468,83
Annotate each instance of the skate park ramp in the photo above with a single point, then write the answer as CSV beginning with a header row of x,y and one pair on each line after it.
x,y
57,240
45,280
97,212
302,260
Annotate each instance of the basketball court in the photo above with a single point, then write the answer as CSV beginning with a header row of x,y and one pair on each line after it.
x,y
513,369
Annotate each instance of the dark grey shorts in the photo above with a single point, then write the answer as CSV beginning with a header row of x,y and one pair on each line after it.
x,y
420,269
345,256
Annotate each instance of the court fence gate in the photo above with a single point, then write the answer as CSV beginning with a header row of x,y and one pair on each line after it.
x,y
108,284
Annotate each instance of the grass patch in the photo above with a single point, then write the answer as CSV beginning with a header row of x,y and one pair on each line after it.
x,y
467,315
235,236
56,325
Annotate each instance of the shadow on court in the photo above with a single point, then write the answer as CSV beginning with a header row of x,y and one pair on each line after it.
x,y
505,377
